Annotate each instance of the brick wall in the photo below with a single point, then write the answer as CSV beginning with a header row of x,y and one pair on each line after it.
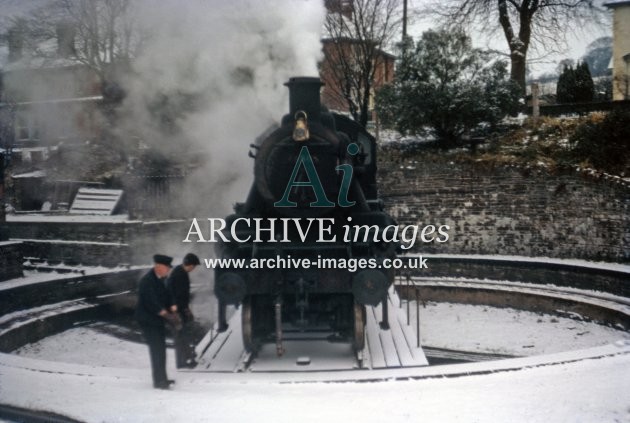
x,y
512,211
69,230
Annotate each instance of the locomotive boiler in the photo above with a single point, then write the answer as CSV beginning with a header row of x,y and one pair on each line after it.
x,y
314,220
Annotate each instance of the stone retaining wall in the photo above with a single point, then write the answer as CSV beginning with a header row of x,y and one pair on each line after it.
x,y
95,243
512,211
98,297
28,295
10,260
612,281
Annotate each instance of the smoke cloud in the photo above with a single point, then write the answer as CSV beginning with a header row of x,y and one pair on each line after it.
x,y
230,60
215,69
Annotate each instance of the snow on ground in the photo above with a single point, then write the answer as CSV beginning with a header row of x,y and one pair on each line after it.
x,y
387,136
109,379
88,345
582,391
82,218
92,376
443,325
506,331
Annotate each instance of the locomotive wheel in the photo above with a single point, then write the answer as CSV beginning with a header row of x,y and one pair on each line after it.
x,y
359,327
246,323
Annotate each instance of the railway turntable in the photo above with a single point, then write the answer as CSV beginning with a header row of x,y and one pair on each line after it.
x,y
312,351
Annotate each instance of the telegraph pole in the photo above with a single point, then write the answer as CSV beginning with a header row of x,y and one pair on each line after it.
x,y
404,23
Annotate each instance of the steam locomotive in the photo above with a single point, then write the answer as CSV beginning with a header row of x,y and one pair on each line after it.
x,y
315,168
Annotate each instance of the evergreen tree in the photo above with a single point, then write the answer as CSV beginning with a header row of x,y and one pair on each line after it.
x,y
584,87
448,86
565,89
575,85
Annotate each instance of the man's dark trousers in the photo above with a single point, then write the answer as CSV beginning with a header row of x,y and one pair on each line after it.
x,y
156,338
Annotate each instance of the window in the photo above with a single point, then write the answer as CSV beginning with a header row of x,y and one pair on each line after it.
x,y
25,127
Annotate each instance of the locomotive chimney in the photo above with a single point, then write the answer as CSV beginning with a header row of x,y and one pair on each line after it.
x,y
304,95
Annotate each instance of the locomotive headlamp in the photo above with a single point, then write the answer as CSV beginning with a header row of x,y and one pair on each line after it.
x,y
300,131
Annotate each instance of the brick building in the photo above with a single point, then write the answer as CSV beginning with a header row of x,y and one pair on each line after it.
x,y
345,49
621,49
331,94
50,108
48,101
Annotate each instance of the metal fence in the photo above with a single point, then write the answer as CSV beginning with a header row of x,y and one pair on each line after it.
x,y
581,108
152,196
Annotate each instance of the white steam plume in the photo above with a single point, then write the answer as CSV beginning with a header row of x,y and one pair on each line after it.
x,y
234,57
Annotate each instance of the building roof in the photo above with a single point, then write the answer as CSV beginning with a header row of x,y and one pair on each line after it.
x,y
613,4
33,63
351,40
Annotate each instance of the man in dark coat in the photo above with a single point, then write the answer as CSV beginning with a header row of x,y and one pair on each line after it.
x,y
178,283
155,307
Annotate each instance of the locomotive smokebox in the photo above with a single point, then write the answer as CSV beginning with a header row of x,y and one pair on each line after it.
x,y
304,96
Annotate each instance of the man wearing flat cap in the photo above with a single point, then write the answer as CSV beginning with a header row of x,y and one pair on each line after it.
x,y
178,283
155,307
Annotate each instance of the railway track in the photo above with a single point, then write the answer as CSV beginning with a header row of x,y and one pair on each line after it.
x,y
316,351
398,347
447,356
604,307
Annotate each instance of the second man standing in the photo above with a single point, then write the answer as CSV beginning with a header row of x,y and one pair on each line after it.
x,y
178,283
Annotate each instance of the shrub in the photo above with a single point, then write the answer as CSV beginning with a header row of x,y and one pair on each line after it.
x,y
603,143
447,85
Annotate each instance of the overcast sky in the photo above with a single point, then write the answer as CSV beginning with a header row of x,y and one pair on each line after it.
x,y
577,38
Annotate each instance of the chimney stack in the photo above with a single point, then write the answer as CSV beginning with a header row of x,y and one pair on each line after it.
x,y
65,39
343,7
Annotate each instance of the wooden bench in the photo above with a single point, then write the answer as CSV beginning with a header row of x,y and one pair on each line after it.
x,y
96,201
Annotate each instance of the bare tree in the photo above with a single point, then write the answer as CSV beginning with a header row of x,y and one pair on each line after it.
x,y
358,32
101,34
524,23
